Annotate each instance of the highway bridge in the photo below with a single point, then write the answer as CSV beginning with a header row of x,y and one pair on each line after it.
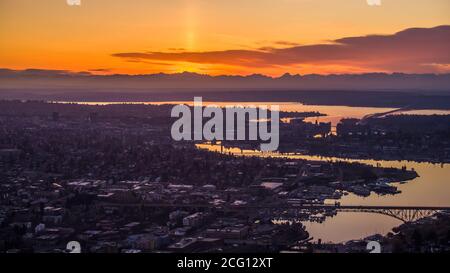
x,y
383,114
402,213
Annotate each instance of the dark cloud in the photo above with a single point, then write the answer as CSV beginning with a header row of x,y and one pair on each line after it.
x,y
412,50
100,70
286,43
176,49
41,72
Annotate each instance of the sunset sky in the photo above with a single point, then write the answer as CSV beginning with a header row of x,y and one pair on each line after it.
x,y
215,37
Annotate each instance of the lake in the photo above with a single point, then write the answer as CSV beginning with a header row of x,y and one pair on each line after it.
x,y
431,188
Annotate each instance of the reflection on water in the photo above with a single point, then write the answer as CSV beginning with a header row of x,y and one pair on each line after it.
x,y
333,113
347,226
431,188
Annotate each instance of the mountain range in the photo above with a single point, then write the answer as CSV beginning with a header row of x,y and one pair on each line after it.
x,y
38,79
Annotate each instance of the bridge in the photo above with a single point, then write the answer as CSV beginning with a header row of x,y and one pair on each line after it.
x,y
405,214
364,120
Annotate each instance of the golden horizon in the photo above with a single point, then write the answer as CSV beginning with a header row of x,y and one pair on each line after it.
x,y
219,37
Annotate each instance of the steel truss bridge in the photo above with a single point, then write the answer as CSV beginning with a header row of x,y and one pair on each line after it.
x,y
403,213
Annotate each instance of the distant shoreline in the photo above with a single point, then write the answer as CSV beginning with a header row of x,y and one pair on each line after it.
x,y
419,100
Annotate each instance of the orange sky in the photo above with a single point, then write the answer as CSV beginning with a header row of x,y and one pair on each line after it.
x,y
215,36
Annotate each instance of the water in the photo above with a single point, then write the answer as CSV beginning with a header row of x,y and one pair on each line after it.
x,y
333,113
431,188
346,226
